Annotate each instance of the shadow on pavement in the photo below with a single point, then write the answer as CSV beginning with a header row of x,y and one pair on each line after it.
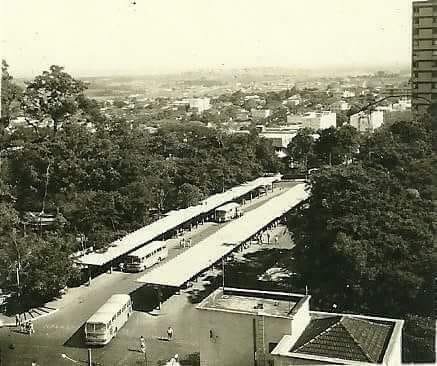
x,y
77,340
145,298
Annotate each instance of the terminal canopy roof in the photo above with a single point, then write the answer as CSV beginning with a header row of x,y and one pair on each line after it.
x,y
203,255
170,221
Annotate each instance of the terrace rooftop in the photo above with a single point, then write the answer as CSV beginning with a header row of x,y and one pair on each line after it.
x,y
275,304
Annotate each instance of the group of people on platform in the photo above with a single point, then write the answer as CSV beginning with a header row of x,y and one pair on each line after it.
x,y
183,243
25,326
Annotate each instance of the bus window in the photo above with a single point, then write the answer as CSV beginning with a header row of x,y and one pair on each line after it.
x,y
95,327
119,312
100,327
90,327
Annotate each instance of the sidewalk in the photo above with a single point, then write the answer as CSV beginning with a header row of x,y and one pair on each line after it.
x,y
32,314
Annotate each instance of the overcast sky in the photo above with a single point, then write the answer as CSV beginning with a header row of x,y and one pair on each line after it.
x,y
100,37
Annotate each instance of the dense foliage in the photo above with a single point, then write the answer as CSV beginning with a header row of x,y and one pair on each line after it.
x,y
102,178
365,238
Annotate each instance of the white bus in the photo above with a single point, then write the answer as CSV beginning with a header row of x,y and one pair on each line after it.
x,y
146,256
107,321
228,212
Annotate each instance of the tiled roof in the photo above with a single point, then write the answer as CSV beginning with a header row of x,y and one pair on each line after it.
x,y
345,338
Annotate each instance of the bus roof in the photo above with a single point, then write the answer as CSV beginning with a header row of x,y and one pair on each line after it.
x,y
147,249
105,313
228,206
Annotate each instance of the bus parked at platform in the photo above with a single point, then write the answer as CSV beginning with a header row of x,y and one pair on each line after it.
x,y
228,212
108,319
146,256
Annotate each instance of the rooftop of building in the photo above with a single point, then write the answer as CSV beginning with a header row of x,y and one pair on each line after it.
x,y
269,303
342,337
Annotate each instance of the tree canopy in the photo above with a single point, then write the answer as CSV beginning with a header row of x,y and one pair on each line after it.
x,y
364,240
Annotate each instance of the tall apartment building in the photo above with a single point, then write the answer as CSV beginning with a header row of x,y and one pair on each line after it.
x,y
424,57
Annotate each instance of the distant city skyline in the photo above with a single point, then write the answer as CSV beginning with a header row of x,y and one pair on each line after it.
x,y
126,37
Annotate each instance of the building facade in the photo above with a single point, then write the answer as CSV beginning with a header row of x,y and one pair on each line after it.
x,y
264,328
424,55
314,120
259,114
280,138
367,122
199,104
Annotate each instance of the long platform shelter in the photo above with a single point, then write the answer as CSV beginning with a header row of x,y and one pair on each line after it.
x,y
210,251
172,221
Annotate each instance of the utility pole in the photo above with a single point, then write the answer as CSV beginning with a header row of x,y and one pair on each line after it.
x,y
223,273
89,357
45,190
17,271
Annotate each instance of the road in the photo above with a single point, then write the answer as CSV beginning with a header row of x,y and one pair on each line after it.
x,y
62,332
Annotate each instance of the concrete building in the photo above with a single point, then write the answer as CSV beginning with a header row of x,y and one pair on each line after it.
x,y
294,100
264,328
348,94
242,115
260,113
396,90
424,55
280,138
199,104
365,121
340,106
314,120
402,105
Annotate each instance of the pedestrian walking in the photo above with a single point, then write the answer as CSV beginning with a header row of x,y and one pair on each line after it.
x,y
31,330
17,320
121,267
142,345
169,333
276,239
189,242
22,327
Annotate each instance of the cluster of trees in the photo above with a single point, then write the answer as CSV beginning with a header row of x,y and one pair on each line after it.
x,y
365,238
100,178
331,146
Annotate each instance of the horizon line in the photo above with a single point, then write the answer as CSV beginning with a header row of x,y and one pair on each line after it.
x,y
219,69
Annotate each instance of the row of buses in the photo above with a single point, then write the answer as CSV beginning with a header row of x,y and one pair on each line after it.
x,y
110,317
